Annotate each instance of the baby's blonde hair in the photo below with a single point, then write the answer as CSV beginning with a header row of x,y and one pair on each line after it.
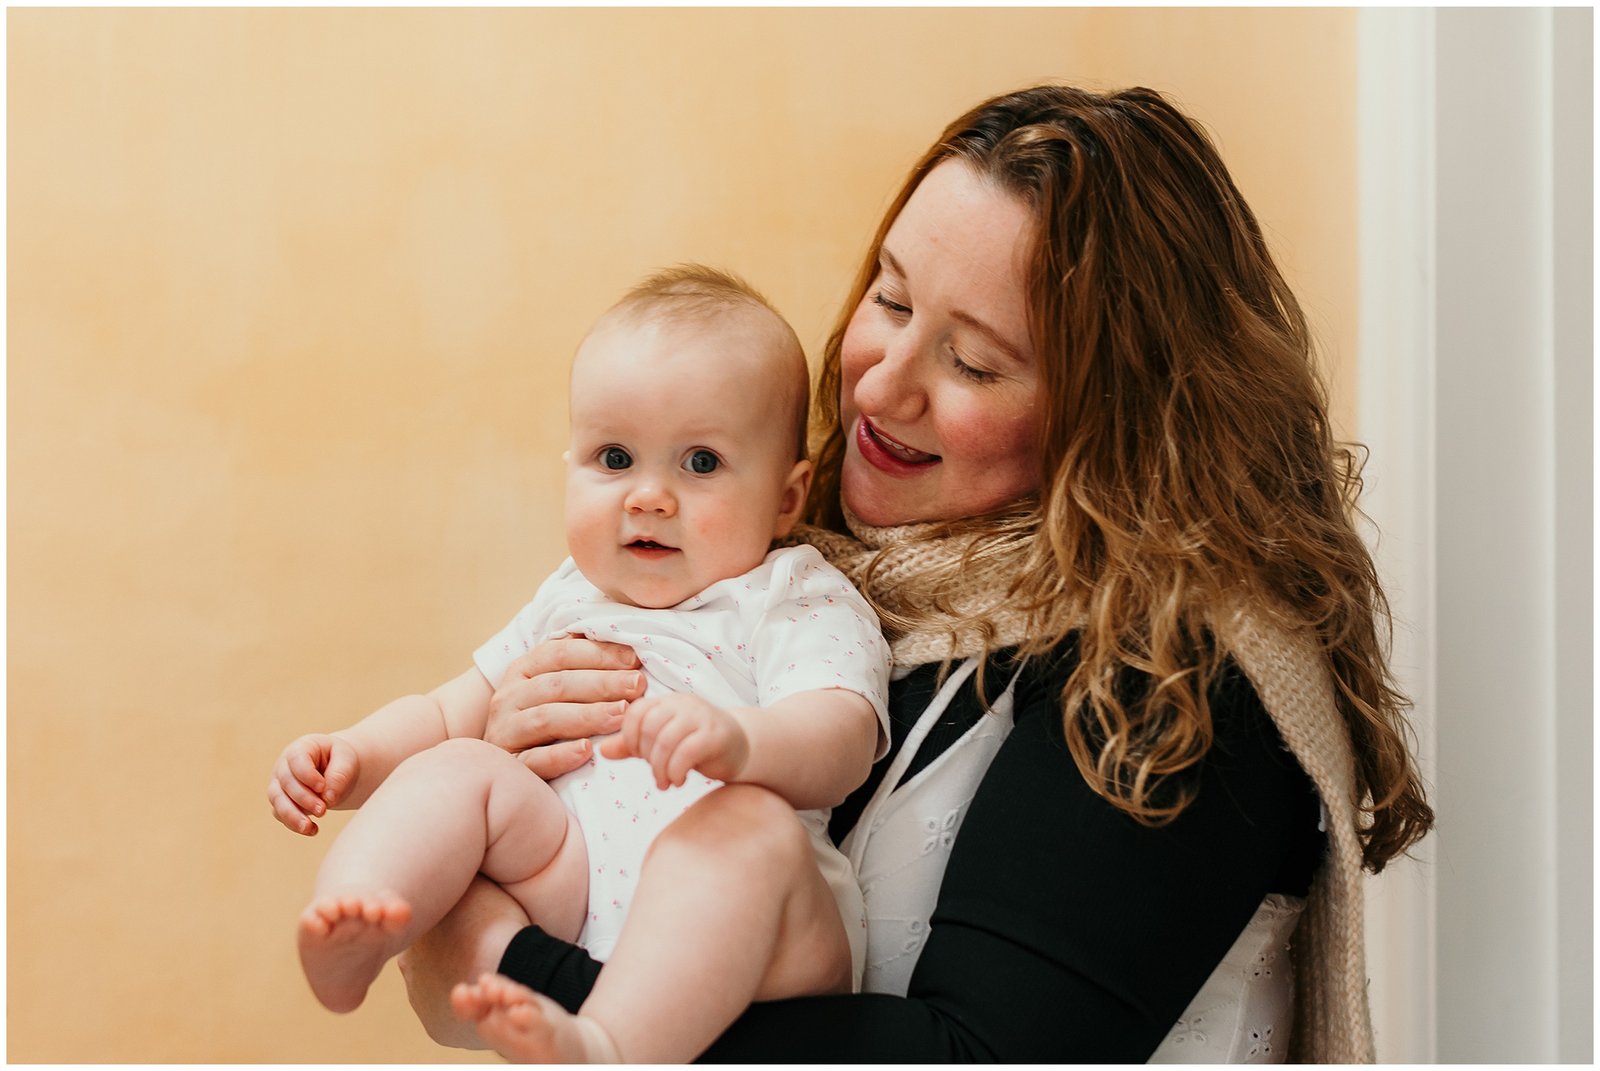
x,y
700,296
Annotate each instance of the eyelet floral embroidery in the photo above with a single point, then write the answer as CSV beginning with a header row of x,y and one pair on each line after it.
x,y
941,831
1188,1030
1260,1043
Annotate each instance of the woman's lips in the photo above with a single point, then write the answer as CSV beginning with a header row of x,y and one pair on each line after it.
x,y
886,455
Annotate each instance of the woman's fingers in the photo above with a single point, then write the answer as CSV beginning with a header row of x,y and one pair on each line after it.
x,y
553,760
573,652
576,720
560,705
563,689
572,686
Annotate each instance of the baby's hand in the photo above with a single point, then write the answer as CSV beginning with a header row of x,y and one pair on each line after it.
x,y
313,773
678,733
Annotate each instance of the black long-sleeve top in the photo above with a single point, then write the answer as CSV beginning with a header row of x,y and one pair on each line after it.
x,y
1064,931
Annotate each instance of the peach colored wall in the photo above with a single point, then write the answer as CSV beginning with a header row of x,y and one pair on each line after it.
x,y
291,294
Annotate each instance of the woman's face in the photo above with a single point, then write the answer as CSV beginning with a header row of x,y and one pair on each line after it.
x,y
939,380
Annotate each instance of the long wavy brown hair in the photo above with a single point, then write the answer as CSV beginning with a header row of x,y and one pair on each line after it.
x,y
1185,450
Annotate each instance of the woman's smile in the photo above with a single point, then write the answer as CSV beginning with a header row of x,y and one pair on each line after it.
x,y
883,452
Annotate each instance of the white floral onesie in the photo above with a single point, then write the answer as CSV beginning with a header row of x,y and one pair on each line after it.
x,y
792,624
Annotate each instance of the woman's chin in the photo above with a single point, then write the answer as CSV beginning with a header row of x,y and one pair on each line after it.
x,y
874,509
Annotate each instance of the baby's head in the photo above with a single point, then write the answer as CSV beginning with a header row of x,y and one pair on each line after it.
x,y
688,457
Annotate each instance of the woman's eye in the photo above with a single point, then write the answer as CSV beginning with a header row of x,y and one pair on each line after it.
x,y
702,462
892,306
977,375
615,457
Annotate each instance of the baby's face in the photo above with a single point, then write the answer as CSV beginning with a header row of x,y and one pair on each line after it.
x,y
681,469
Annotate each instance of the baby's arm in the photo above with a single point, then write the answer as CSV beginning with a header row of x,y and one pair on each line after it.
x,y
812,748
339,770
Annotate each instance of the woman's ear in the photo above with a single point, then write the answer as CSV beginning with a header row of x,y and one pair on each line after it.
x,y
795,488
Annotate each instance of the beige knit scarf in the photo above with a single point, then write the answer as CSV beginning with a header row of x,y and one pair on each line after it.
x,y
892,567
1333,1023
1332,1019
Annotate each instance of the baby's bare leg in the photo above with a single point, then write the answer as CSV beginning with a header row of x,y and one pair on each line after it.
x,y
407,856
730,908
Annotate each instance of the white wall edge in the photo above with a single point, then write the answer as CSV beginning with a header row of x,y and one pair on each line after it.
x,y
1396,420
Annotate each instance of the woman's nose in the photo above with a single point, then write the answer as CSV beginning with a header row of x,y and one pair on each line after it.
x,y
650,495
891,387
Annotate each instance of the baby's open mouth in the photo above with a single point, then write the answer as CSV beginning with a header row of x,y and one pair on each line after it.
x,y
649,546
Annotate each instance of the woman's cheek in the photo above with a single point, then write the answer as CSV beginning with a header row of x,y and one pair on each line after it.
x,y
994,438
857,351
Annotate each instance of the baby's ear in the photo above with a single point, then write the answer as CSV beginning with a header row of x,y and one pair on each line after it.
x,y
795,488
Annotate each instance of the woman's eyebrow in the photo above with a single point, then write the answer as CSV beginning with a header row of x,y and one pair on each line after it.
x,y
887,260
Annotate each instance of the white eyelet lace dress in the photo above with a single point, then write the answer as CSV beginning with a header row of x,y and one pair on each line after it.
x,y
1242,1014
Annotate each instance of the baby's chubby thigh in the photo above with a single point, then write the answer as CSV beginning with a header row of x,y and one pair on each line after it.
x,y
534,848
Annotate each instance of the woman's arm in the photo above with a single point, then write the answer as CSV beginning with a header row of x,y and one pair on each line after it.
x,y
1064,930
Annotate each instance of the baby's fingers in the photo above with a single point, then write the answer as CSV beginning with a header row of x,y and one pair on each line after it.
x,y
630,739
294,785
305,766
615,746
285,810
669,741
340,775
691,754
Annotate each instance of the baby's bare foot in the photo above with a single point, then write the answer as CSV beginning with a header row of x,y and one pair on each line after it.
x,y
526,1027
346,940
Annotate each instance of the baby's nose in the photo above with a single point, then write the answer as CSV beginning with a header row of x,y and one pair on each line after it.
x,y
649,496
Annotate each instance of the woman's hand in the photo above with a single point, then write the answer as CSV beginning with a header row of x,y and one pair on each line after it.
x,y
466,943
559,694
311,775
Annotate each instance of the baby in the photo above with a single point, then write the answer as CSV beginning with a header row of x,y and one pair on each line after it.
x,y
687,461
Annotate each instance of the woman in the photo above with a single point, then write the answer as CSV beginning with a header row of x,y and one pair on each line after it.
x,y
1143,730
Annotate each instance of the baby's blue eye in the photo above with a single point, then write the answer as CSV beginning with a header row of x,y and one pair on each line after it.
x,y
615,457
702,462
